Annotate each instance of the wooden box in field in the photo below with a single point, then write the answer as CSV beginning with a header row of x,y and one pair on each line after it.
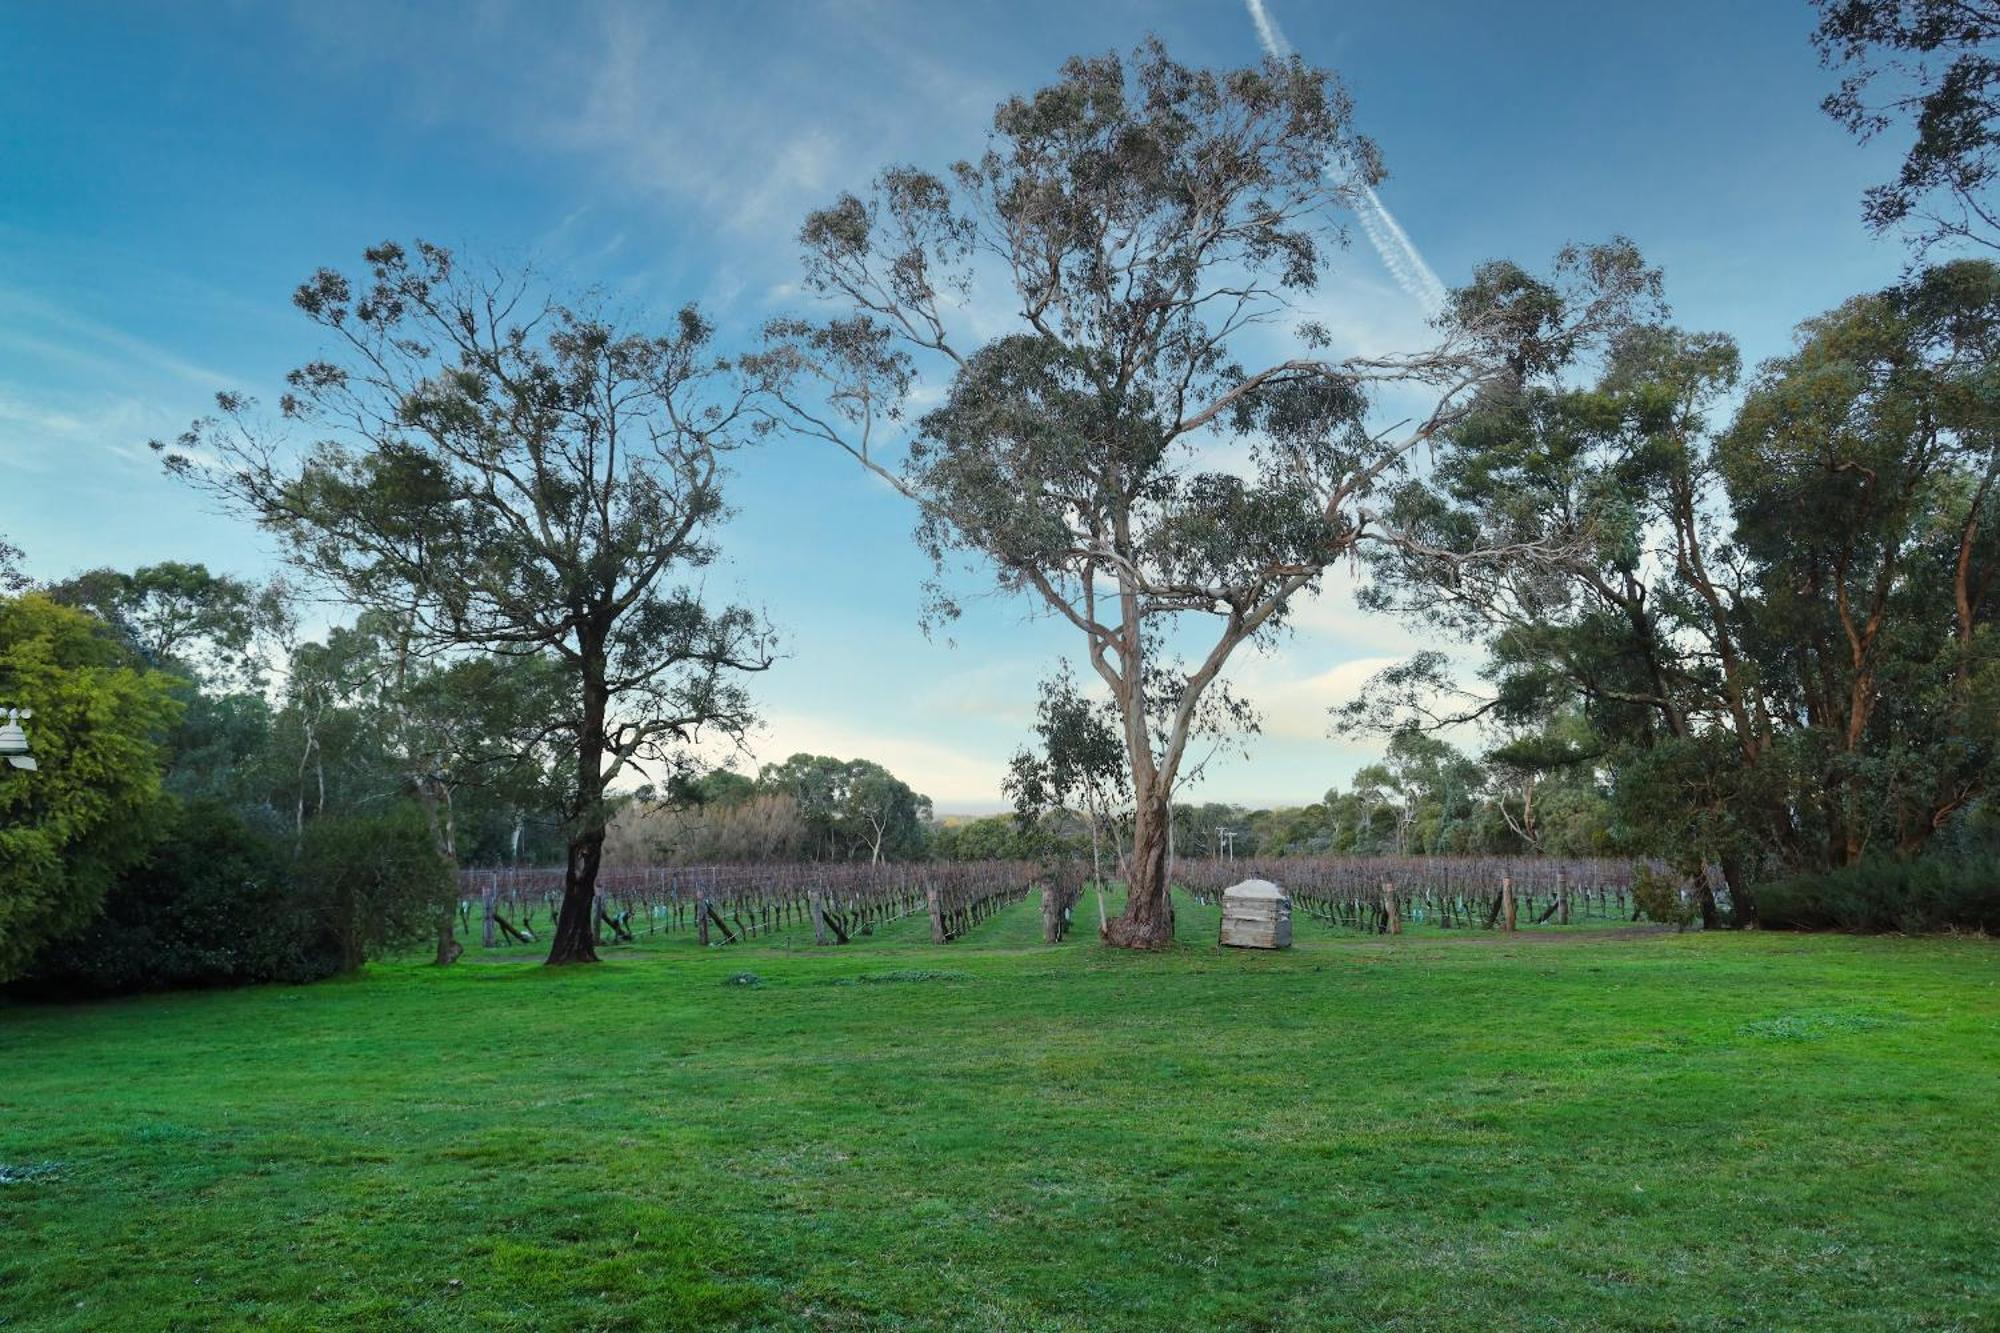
x,y
1256,914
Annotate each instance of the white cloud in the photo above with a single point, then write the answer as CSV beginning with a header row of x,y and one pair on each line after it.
x,y
45,331
954,779
40,430
1294,705
1002,692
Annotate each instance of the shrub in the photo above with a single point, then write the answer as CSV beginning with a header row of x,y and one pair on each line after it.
x,y
72,827
213,904
221,902
1659,897
373,882
1911,896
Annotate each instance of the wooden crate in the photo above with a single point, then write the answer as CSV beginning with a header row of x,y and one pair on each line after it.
x,y
1256,914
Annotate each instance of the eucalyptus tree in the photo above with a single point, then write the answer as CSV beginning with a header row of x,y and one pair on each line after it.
x,y
1934,64
1621,475
513,473
219,636
1080,762
1435,785
1542,783
1862,473
1106,444
215,628
851,806
1778,628
12,578
436,728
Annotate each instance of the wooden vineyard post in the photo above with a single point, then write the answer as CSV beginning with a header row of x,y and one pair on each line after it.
x,y
701,914
932,901
817,900
486,909
1507,902
1562,896
1391,909
1051,916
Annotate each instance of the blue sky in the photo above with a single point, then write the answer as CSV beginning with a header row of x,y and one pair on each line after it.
x,y
169,173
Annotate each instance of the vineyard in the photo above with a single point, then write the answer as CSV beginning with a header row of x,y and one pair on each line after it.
x,y
1379,894
839,903
721,905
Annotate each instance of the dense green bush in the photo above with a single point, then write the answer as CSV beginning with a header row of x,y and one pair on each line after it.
x,y
71,827
213,904
1659,897
373,882
1925,894
221,902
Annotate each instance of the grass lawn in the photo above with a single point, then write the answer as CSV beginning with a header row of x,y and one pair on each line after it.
x,y
1453,1130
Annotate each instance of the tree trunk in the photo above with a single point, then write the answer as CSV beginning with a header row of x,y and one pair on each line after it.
x,y
448,948
1097,870
1148,919
1704,899
1742,900
575,938
444,837
936,907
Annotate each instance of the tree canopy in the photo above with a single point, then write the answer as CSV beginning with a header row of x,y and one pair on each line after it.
x,y
510,472
1140,223
1779,629
852,808
94,802
1936,65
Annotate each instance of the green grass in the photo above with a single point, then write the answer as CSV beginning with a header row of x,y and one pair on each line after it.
x,y
1440,1131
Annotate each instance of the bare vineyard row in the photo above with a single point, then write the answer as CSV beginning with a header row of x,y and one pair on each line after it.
x,y
728,904
1380,893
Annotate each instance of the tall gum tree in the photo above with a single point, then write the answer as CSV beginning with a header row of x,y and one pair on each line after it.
x,y
1142,225
509,473
1779,627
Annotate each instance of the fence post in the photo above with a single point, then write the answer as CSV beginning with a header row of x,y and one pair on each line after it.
x,y
1562,894
817,901
486,909
1391,907
937,913
1507,902
701,912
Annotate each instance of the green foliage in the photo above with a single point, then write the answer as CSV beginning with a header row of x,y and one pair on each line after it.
x,y
372,882
224,748
722,786
213,904
68,829
1080,760
1889,894
12,579
1660,897
1936,64
177,616
854,809
991,838
1777,638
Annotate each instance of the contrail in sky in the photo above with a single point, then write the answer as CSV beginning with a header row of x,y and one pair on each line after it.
x,y
1399,254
